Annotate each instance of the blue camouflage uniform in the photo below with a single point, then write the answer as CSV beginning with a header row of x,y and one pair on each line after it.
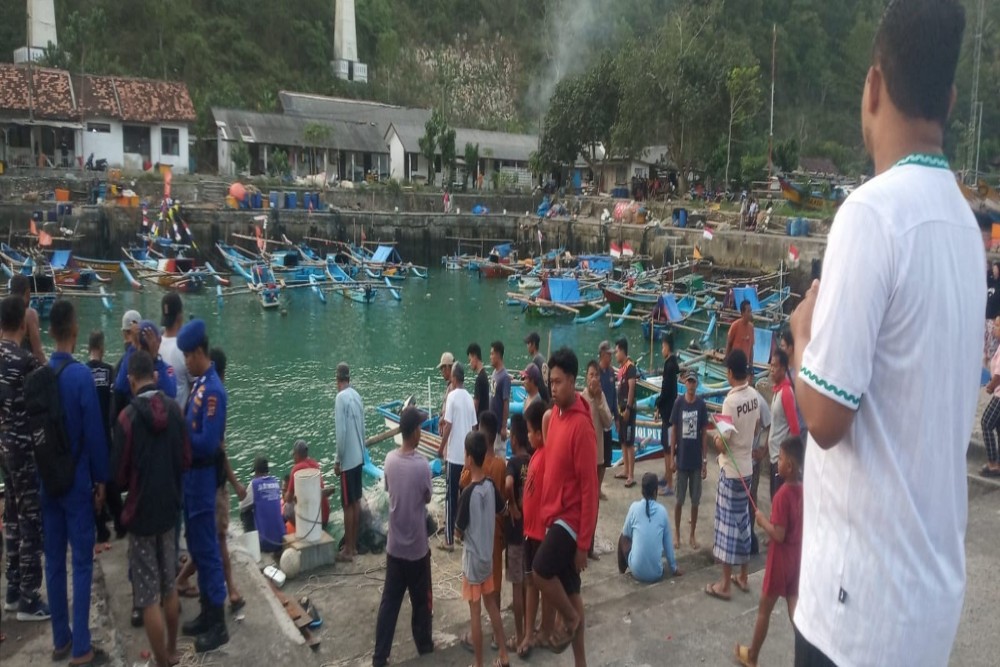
x,y
205,416
69,519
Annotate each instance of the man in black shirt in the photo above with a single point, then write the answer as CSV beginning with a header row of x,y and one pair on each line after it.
x,y
103,374
481,391
665,407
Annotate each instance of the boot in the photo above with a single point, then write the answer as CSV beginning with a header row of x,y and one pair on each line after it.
x,y
216,635
201,622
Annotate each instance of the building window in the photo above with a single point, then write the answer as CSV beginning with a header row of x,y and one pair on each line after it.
x,y
135,139
103,128
170,141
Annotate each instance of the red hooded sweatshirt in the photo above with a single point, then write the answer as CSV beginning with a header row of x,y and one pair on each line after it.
x,y
569,489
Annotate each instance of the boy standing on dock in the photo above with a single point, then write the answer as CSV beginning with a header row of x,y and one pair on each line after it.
x,y
407,565
349,414
499,395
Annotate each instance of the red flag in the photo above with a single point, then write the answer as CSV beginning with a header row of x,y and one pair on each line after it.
x,y
363,237
725,424
616,252
793,253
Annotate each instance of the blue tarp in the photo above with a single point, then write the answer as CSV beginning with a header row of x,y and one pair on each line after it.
x,y
502,250
564,290
762,339
383,253
666,305
598,263
60,259
748,293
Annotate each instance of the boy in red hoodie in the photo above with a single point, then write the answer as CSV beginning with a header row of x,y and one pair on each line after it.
x,y
569,500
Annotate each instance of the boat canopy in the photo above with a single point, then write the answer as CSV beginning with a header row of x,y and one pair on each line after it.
x,y
747,293
667,308
597,263
564,290
385,253
287,259
60,259
762,341
503,250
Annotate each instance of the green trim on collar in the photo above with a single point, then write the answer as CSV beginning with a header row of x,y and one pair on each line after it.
x,y
924,160
830,388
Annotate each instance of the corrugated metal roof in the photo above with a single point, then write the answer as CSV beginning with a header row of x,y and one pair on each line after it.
x,y
289,130
495,145
320,106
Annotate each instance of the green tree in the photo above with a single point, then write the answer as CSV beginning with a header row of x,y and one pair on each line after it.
x,y
786,154
471,163
449,158
241,157
743,87
277,163
316,135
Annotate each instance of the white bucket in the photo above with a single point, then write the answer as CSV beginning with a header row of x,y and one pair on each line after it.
x,y
308,506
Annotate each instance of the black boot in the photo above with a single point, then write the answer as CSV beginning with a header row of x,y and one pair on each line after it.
x,y
217,634
201,623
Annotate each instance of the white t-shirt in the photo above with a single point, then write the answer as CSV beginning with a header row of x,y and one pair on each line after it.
x,y
743,405
897,337
175,358
460,412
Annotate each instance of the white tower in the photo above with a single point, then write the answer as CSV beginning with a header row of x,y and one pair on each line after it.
x,y
41,30
345,44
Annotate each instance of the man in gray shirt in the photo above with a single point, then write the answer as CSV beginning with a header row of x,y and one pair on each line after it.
x,y
349,423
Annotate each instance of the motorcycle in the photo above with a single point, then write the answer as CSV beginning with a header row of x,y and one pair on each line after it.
x,y
100,165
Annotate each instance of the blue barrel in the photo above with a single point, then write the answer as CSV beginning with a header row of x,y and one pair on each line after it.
x,y
316,201
803,227
291,200
307,198
273,198
682,217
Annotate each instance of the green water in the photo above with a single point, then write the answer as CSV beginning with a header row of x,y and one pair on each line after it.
x,y
281,366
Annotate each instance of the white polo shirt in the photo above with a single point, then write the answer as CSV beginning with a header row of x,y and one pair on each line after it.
x,y
897,337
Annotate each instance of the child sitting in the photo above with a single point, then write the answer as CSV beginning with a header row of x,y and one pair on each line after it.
x,y
478,506
646,537
784,555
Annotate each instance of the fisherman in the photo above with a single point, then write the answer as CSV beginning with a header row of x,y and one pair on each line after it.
x,y
447,361
205,415
741,334
532,384
499,395
532,340
607,376
481,389
122,394
349,415
20,285
458,419
103,374
172,320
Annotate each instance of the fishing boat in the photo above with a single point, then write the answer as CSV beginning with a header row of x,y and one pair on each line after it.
x,y
293,268
430,436
669,313
498,263
348,287
561,296
175,273
804,197
263,284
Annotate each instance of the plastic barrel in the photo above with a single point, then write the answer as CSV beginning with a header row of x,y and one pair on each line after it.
x,y
273,199
308,506
682,217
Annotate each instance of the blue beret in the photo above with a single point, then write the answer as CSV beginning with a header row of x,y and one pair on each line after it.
x,y
191,336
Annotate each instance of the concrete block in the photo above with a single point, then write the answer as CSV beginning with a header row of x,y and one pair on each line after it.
x,y
313,555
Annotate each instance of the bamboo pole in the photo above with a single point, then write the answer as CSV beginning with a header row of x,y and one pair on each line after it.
x,y
381,437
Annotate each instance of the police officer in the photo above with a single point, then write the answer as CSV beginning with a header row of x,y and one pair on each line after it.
x,y
205,415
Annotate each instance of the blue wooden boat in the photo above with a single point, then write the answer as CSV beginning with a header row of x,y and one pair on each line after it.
x,y
669,312
348,287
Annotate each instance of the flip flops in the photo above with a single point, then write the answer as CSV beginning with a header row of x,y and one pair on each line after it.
x,y
711,591
629,484
188,591
742,656
745,587
987,471
99,658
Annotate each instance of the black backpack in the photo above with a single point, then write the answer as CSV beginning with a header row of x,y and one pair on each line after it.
x,y
53,454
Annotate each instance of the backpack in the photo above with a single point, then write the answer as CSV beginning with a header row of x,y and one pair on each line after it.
x,y
53,454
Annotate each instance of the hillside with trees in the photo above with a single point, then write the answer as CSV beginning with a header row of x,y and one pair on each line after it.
x,y
694,75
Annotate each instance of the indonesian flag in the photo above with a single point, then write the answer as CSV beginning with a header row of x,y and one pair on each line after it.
x,y
33,229
725,425
616,251
145,216
627,250
793,253
708,233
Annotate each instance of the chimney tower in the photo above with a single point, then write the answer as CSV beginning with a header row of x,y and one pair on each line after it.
x,y
41,31
345,44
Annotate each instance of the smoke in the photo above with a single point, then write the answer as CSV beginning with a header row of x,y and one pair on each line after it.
x,y
574,30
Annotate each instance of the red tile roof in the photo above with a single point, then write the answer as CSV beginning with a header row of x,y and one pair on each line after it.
x,y
53,94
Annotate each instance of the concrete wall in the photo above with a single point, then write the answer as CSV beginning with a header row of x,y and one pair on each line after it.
x,y
107,145
397,158
179,162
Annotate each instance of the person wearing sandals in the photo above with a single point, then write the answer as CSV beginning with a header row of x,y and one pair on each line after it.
x,y
991,420
457,420
151,451
627,378
732,515
478,508
784,554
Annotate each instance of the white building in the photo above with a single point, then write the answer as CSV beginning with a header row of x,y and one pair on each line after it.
x,y
52,119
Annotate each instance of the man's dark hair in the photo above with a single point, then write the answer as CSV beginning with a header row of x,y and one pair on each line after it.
x,y
565,360
96,341
593,364
489,423
474,351
792,446
668,338
260,466
61,319
218,357
917,47
410,420
20,284
534,414
737,363
497,346
475,446
12,310
140,366
621,344
519,432
744,305
781,357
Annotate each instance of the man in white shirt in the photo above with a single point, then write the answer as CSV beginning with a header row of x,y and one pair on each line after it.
x,y
172,310
458,420
885,490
